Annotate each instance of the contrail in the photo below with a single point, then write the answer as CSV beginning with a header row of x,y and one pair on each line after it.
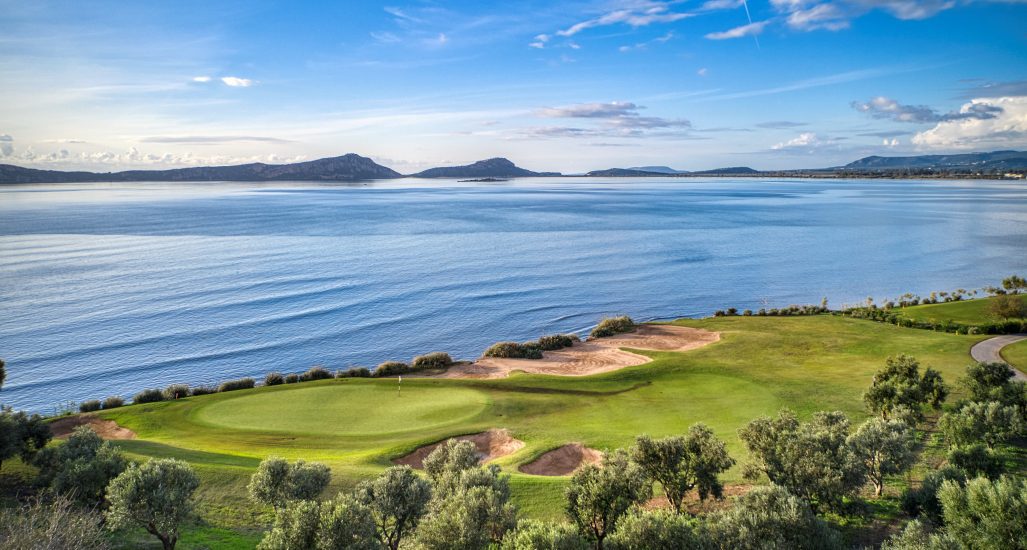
x,y
749,17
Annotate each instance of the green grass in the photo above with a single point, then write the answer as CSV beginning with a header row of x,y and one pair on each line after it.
x,y
969,312
1016,355
357,426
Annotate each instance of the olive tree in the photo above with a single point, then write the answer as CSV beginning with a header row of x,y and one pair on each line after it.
x,y
337,524
276,482
54,524
599,496
769,517
22,435
397,500
918,536
883,447
681,464
538,535
810,459
995,382
156,496
986,514
1014,283
656,530
82,467
990,422
900,384
922,502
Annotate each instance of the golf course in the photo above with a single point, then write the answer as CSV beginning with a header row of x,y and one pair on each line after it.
x,y
360,426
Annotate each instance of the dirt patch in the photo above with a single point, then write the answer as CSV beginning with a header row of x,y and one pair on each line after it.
x,y
490,445
695,506
562,461
107,429
592,356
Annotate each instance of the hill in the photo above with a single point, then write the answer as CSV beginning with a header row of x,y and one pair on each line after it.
x,y
995,160
345,168
626,173
732,170
658,169
490,168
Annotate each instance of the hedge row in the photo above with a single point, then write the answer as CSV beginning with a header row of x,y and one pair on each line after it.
x,y
612,325
1011,326
791,310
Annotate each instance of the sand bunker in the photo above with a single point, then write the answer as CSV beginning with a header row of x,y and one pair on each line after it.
x,y
563,461
107,429
593,356
490,445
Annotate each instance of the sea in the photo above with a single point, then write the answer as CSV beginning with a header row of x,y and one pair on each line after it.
x,y
110,288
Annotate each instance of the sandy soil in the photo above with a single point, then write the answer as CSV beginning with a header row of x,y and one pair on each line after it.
x,y
592,356
107,429
562,461
491,445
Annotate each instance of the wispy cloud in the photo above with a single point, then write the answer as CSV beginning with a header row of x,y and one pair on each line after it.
x,y
996,89
211,139
201,79
617,119
752,29
236,82
641,15
807,83
887,108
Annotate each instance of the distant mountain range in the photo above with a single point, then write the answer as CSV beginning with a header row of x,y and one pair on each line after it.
x,y
353,167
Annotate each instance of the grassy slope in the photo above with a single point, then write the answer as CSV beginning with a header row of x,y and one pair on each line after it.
x,y
971,312
759,366
1016,355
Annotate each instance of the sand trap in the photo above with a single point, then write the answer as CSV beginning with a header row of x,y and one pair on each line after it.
x,y
490,445
563,461
592,356
107,429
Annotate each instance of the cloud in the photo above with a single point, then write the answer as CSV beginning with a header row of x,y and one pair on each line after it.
x,y
780,124
6,145
385,37
752,29
807,142
540,41
201,79
618,119
590,110
642,15
887,108
1007,128
834,15
236,82
702,71
711,5
439,40
211,139
643,45
894,142
996,89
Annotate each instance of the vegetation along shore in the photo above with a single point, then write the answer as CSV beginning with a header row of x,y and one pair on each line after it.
x,y
794,427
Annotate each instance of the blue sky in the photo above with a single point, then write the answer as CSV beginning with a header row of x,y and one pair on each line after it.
x,y
568,86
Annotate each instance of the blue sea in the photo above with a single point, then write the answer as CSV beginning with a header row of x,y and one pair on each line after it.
x,y
107,289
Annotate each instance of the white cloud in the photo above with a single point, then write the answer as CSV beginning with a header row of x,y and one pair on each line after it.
x,y
1007,129
236,82
751,29
540,41
834,15
641,15
884,107
618,119
803,141
201,79
702,72
894,142
441,39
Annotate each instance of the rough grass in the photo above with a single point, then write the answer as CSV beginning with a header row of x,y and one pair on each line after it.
x,y
358,425
969,312
1016,355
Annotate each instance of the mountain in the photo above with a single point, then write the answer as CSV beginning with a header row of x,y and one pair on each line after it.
x,y
730,171
626,173
995,160
345,168
491,168
657,169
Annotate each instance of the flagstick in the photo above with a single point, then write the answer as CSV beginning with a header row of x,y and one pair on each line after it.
x,y
399,386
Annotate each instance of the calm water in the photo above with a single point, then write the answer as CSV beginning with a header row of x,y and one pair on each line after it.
x,y
110,288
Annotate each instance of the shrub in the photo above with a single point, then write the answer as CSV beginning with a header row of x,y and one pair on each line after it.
x,y
354,372
292,378
513,350
434,360
89,406
113,402
203,390
557,341
316,373
274,379
240,384
82,467
922,501
770,517
612,325
1007,306
148,396
176,391
56,523
391,368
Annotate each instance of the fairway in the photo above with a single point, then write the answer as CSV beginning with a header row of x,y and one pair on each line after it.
x,y
344,409
1016,355
970,312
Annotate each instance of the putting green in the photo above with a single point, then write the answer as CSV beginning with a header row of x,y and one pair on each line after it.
x,y
345,409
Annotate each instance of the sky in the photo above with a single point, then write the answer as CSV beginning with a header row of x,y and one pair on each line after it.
x,y
555,86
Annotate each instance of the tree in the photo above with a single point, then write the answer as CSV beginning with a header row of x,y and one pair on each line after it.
x,y
809,459
156,496
1007,306
3,373
656,530
276,482
917,536
922,501
883,447
990,422
899,383
21,434
538,535
976,461
397,500
51,524
447,460
342,523
681,464
598,497
1014,283
994,382
82,467
986,514
770,517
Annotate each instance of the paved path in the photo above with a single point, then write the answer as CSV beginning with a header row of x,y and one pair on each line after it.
x,y
987,351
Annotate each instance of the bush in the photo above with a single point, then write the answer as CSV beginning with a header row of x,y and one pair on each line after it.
x,y
1007,306
240,384
203,390
113,402
434,360
354,372
51,524
922,501
148,396
89,406
316,373
292,378
274,379
176,391
557,341
612,325
513,350
391,368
